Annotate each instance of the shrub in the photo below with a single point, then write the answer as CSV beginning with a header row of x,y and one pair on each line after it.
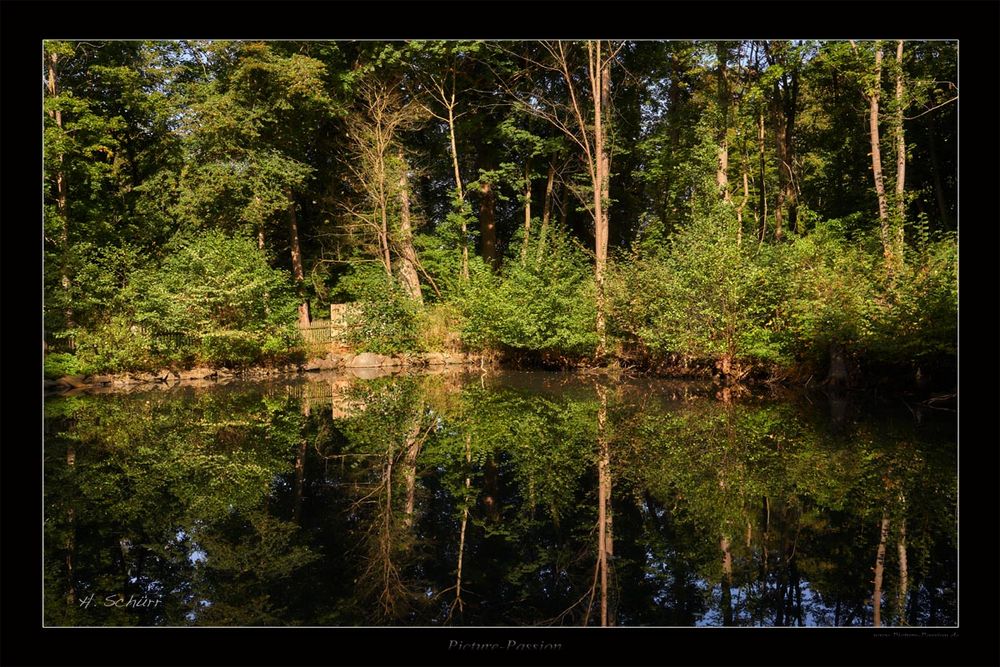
x,y
384,319
231,349
547,306
114,346
58,364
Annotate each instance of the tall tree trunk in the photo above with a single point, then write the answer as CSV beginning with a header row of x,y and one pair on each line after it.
x,y
546,212
779,157
408,265
761,194
900,220
879,569
458,187
722,172
297,271
62,206
876,152
791,95
527,210
602,104
487,218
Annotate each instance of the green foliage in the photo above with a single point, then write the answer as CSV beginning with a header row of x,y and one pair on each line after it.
x,y
383,320
546,306
58,364
115,345
832,292
230,348
211,281
711,296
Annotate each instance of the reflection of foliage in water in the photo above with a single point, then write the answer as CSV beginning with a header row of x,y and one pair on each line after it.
x,y
256,506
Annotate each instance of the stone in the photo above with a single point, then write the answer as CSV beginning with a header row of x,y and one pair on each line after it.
x,y
366,360
74,381
392,361
102,379
197,373
435,358
368,373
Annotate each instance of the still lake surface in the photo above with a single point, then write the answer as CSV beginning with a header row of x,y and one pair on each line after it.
x,y
505,499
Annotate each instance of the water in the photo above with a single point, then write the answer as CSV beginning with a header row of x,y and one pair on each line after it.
x,y
477,500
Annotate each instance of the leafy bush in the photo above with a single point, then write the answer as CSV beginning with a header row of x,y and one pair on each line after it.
x,y
384,319
115,346
58,364
833,293
546,306
440,326
711,296
231,349
213,282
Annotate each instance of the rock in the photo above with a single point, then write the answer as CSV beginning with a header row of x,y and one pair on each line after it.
x,y
338,360
52,384
366,360
455,358
367,373
435,358
73,381
102,379
197,373
317,365
392,361
225,372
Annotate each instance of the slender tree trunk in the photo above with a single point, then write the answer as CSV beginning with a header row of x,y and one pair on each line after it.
x,y
900,220
722,173
527,211
458,187
408,265
761,195
791,197
62,206
879,569
487,221
883,207
739,209
780,154
602,104
546,212
293,224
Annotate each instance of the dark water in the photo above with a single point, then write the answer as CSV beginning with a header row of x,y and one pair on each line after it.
x,y
512,499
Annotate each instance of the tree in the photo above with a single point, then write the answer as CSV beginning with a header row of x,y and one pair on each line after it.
x,y
583,115
381,211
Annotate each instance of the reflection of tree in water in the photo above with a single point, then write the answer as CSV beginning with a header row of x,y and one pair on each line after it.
x,y
498,501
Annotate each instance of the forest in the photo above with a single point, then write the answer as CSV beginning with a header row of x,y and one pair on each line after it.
x,y
752,210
